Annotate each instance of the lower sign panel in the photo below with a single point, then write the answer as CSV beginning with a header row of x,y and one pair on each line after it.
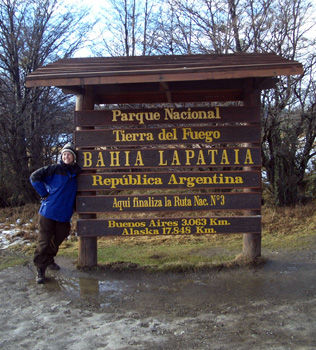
x,y
155,203
169,226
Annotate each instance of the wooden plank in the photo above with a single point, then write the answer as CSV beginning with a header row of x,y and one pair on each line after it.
x,y
168,180
169,226
165,116
174,202
103,78
208,135
93,64
174,68
167,157
190,97
119,64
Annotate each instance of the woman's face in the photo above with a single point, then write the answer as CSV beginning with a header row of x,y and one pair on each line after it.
x,y
67,157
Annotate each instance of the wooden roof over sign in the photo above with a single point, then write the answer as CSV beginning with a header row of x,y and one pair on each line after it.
x,y
163,78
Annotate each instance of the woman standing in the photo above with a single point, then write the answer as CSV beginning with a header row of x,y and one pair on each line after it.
x,y
57,186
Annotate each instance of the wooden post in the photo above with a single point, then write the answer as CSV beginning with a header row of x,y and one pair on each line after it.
x,y
251,245
87,250
251,241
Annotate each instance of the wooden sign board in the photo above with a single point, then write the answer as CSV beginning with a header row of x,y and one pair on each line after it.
x,y
208,135
199,150
167,203
153,116
169,157
169,226
169,180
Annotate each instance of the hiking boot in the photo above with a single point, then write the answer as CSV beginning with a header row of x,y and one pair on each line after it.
x,y
54,266
40,277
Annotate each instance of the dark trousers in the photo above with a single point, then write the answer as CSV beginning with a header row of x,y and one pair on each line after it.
x,y
50,236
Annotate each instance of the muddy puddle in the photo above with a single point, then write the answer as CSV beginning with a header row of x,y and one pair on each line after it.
x,y
278,279
271,307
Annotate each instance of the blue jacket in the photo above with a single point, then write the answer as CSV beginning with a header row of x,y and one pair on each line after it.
x,y
57,184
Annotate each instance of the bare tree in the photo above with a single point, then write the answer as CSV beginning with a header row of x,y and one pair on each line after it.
x,y
32,33
289,119
283,27
173,32
212,25
128,32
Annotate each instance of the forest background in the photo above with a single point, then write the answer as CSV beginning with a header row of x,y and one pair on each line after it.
x,y
35,123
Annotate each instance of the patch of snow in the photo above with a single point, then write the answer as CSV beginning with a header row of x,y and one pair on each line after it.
x,y
10,235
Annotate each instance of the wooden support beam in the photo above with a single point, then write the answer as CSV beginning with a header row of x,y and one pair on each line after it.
x,y
87,249
251,242
166,89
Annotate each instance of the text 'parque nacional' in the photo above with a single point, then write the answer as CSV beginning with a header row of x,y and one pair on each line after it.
x,y
169,114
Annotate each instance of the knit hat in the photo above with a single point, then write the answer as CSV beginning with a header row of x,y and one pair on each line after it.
x,y
69,147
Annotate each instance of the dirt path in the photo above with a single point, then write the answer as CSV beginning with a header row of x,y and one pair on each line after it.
x,y
272,307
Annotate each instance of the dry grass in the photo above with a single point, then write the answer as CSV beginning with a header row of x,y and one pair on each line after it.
x,y
20,215
289,219
282,229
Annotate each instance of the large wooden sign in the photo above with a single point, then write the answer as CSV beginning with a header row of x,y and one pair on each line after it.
x,y
193,162
190,160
